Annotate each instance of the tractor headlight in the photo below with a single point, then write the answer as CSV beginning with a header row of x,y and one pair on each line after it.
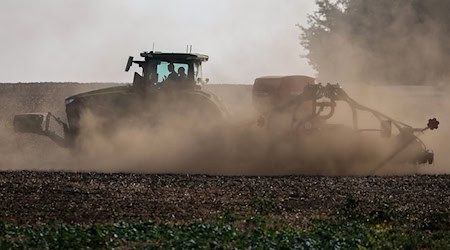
x,y
69,101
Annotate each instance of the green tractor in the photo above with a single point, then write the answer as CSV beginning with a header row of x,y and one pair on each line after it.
x,y
168,82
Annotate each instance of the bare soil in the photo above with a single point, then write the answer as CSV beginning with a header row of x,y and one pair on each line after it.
x,y
42,197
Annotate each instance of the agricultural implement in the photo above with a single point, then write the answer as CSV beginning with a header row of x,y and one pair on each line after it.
x,y
291,110
307,107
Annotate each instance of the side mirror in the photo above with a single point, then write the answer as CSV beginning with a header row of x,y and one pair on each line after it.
x,y
129,63
206,80
36,123
386,128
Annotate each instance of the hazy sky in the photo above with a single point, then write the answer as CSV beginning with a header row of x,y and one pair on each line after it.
x,y
90,41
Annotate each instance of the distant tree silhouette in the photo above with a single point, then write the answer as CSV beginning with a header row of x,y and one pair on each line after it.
x,y
380,41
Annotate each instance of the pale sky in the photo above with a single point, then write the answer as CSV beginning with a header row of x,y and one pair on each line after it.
x,y
90,41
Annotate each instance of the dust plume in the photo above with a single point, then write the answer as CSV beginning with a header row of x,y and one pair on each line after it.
x,y
181,144
188,144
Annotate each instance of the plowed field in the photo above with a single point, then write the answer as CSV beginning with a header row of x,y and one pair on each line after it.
x,y
42,197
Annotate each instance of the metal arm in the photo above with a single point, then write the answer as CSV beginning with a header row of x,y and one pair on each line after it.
x,y
60,140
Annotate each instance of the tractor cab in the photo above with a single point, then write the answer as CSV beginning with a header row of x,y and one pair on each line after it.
x,y
167,70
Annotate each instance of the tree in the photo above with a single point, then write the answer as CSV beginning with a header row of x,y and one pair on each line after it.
x,y
383,41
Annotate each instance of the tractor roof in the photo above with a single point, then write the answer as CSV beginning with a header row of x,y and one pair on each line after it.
x,y
175,56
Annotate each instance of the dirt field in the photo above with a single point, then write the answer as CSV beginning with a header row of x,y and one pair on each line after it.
x,y
43,197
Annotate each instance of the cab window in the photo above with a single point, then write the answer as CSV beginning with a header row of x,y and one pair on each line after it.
x,y
163,70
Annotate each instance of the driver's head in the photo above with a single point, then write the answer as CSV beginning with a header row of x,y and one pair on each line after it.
x,y
171,67
181,71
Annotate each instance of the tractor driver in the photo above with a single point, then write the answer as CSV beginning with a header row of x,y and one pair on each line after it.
x,y
173,76
181,74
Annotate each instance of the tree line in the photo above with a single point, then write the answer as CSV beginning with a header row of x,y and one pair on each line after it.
x,y
382,41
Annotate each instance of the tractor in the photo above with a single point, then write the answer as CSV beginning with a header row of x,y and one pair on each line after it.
x,y
167,82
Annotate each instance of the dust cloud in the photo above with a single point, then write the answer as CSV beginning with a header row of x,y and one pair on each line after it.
x,y
182,144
